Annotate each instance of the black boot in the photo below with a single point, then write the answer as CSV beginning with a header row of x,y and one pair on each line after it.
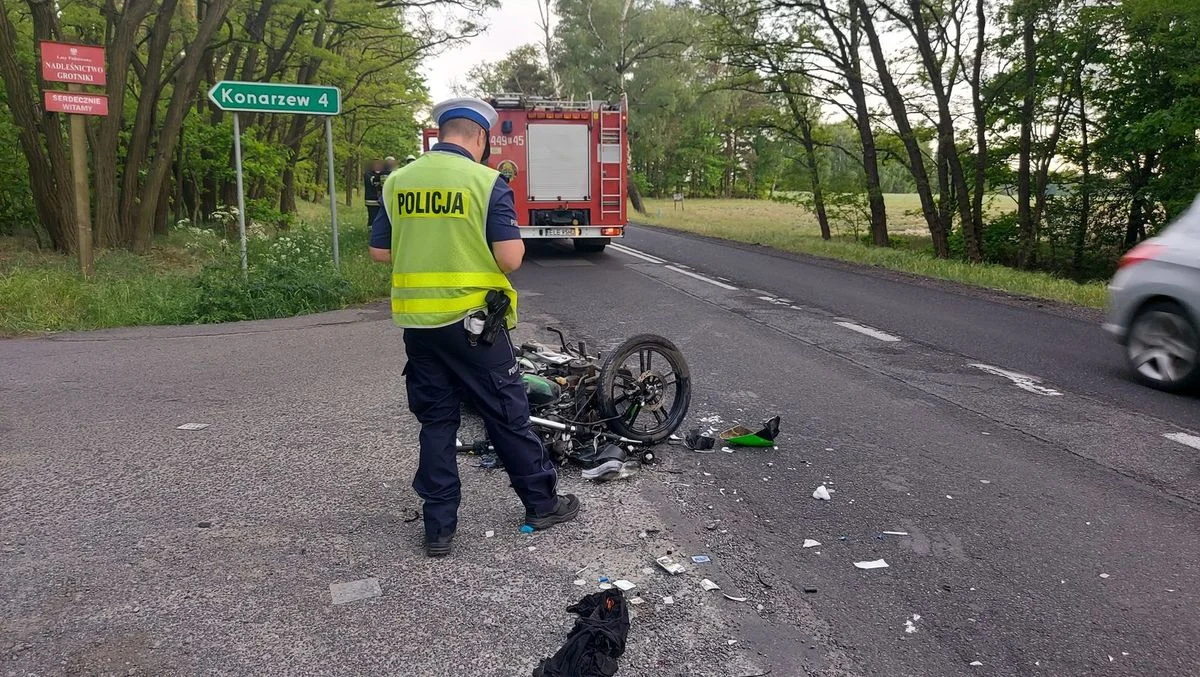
x,y
566,510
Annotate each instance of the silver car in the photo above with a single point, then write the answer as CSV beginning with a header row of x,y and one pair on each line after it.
x,y
1154,305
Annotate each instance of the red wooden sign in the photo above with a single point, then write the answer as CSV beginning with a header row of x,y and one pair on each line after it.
x,y
76,64
76,103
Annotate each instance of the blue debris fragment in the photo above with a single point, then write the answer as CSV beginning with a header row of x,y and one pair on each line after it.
x,y
526,529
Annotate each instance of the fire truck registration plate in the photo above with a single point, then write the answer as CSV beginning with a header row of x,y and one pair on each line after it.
x,y
560,232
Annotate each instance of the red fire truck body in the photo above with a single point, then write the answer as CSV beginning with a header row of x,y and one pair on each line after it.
x,y
567,163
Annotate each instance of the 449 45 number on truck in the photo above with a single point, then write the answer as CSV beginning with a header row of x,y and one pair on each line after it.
x,y
567,163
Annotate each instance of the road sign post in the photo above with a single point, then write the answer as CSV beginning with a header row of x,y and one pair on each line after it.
x,y
77,65
274,97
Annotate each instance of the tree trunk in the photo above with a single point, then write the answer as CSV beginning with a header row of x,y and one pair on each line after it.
x,y
1085,184
956,180
40,134
810,157
1028,249
635,197
186,80
981,141
895,100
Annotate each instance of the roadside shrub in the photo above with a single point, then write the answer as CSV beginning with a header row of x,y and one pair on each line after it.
x,y
291,274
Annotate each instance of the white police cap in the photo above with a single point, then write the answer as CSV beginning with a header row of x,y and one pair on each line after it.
x,y
475,110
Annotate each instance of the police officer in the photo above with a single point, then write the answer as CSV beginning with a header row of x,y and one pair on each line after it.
x,y
449,230
373,189
408,160
389,165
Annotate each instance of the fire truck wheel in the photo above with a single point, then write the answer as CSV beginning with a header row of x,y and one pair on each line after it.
x,y
591,245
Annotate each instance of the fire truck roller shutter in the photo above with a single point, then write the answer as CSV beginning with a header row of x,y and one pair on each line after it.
x,y
559,161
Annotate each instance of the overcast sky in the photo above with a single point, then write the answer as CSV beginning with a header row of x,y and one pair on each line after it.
x,y
513,25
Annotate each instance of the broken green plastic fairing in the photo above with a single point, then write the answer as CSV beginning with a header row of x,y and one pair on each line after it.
x,y
741,436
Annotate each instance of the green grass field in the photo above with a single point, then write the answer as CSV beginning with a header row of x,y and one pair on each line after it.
x,y
792,229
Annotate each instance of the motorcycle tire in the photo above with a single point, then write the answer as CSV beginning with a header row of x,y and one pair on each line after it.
x,y
615,381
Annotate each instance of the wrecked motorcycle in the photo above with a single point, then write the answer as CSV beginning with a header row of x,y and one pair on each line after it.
x,y
596,411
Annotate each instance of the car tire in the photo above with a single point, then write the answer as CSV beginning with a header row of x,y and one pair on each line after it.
x,y
590,245
1163,347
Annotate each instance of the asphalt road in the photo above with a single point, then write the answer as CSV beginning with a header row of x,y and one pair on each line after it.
x,y
1051,527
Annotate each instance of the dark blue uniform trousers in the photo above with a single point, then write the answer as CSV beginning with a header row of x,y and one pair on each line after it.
x,y
443,367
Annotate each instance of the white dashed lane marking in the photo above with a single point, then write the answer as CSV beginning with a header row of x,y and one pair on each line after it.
x,y
1024,382
629,251
1185,439
715,283
869,331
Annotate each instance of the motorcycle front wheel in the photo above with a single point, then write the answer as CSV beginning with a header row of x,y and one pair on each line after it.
x,y
645,389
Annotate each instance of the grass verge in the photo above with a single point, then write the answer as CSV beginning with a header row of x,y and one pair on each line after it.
x,y
791,229
191,276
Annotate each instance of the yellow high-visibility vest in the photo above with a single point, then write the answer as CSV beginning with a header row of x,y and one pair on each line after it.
x,y
442,266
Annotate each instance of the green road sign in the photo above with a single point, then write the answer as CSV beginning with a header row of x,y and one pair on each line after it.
x,y
271,97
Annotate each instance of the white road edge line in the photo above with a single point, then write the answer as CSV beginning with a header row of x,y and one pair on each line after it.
x,y
633,252
1022,381
709,280
869,331
1184,439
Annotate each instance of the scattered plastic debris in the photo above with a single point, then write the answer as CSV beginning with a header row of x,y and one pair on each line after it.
x,y
526,529
810,590
489,533
193,426
708,586
532,548
203,525
595,642
604,579
580,582
821,493
976,663
671,566
625,585
489,461
636,601
873,564
354,591
731,598
732,642
728,450
896,533
674,437
949,496
910,626
701,559
1103,575
810,543
606,586
985,481
741,436
668,600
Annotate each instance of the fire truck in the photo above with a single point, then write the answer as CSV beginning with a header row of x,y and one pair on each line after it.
x,y
567,164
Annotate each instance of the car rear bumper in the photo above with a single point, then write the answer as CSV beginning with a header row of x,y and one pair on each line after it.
x,y
558,232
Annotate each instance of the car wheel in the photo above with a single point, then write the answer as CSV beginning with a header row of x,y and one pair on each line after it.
x,y
1163,346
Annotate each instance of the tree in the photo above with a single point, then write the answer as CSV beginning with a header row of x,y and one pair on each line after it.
x,y
519,72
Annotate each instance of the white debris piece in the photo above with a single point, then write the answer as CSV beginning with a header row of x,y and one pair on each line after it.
x,y
671,566
606,586
909,627
192,426
532,548
976,663
624,585
355,590
896,533
489,533
668,600
1103,575
727,450
985,481
731,598
810,543
636,601
708,586
873,564
580,582
821,493
949,496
